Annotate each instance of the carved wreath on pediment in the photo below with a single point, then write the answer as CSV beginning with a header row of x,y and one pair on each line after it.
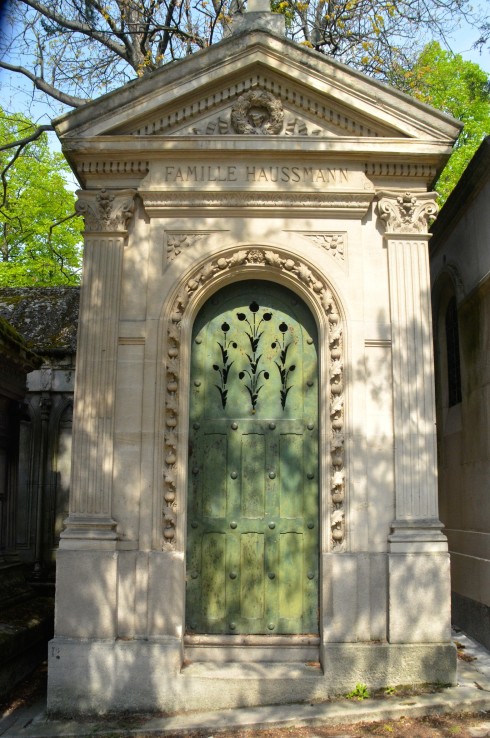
x,y
257,112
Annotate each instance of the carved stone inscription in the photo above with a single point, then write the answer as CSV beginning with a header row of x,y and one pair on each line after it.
x,y
285,175
255,174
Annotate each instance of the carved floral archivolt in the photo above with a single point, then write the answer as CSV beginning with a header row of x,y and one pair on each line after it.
x,y
273,262
158,203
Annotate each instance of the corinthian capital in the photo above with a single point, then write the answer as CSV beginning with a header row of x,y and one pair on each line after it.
x,y
408,212
106,210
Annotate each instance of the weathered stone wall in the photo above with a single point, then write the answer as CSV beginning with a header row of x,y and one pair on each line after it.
x,y
460,267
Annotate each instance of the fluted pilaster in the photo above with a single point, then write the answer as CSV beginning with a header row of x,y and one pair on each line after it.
x,y
406,217
107,214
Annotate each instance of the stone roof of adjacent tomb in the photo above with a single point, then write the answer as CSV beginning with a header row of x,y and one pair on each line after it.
x,y
14,350
474,178
45,317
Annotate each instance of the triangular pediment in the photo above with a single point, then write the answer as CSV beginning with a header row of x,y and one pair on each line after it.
x,y
257,83
259,103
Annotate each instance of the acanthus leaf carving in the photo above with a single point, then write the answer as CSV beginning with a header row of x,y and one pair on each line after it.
x,y
407,212
321,292
106,210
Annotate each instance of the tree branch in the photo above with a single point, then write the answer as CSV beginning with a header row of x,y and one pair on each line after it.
x,y
21,144
117,32
57,255
77,26
41,84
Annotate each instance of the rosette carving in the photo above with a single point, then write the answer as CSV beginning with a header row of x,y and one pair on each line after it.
x,y
272,261
408,212
106,210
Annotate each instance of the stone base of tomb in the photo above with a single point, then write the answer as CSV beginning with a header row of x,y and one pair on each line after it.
x,y
100,677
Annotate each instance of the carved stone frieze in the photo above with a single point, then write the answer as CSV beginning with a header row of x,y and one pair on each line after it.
x,y
407,212
106,210
274,262
334,243
332,202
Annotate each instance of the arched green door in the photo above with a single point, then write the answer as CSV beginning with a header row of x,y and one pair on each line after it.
x,y
252,520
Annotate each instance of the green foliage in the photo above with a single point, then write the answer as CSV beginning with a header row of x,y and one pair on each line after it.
x,y
40,241
460,88
361,692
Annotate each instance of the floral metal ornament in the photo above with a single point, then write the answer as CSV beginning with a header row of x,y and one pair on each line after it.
x,y
281,364
226,365
253,375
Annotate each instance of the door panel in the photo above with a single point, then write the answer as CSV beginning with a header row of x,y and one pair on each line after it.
x,y
290,581
252,534
252,596
253,465
213,573
214,465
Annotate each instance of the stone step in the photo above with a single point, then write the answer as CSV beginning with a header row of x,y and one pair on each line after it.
x,y
238,684
222,653
253,670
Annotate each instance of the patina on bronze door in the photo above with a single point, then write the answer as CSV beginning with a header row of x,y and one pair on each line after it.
x,y
252,519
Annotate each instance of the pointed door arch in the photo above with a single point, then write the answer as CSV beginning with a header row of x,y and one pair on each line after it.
x,y
252,518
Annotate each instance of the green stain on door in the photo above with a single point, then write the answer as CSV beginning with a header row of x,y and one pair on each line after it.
x,y
253,526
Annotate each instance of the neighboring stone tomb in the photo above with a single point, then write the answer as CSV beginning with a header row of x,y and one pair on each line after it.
x,y
24,623
254,468
460,269
47,319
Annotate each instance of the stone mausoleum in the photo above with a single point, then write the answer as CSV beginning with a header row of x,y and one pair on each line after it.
x,y
253,507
